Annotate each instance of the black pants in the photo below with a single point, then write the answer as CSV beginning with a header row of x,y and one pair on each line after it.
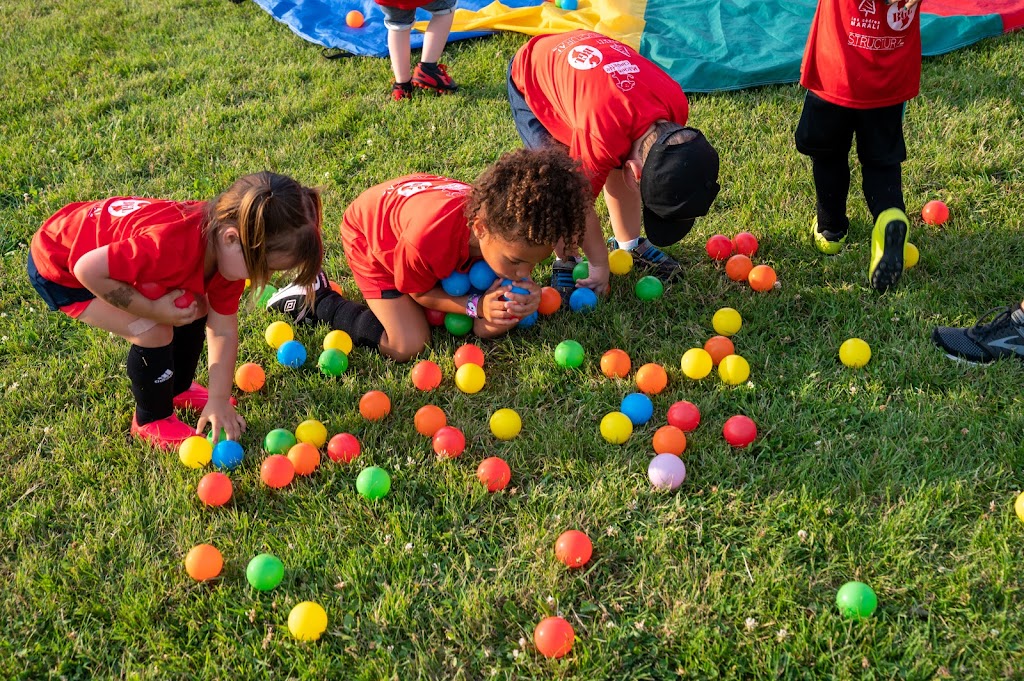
x,y
825,133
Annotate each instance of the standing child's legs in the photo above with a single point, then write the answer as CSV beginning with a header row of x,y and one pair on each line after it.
x,y
436,36
399,51
429,74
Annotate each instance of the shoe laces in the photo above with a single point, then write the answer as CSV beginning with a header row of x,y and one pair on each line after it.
x,y
1000,317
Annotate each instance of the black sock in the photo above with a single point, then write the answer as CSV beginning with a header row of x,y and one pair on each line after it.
x,y
883,188
831,186
354,319
151,371
428,64
187,347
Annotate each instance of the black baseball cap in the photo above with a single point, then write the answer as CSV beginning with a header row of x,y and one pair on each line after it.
x,y
678,184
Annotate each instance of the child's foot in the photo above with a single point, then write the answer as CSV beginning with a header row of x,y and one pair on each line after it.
x,y
400,91
888,239
827,241
433,77
651,258
165,433
561,277
292,299
195,397
985,342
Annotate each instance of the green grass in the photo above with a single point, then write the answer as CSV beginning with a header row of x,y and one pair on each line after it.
x,y
902,474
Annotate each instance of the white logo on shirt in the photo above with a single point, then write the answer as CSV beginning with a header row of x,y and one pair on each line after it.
x,y
867,7
900,17
412,188
124,207
584,57
453,188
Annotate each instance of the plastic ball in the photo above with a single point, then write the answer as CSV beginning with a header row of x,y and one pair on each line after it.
x,y
638,407
250,377
307,621
1018,506
651,378
734,370
214,489
277,471
354,19
332,362
343,448
278,333
292,354
569,354
195,451
696,363
911,256
719,247
738,267
550,301
581,270
684,415
856,600
649,288
745,244
264,572
666,471
373,483
203,562
582,299
620,261
228,454
429,419
469,354
615,364
336,287
570,5
449,442
305,458
553,637
761,278
506,424
719,347
528,321
458,324
935,212
481,276
739,431
494,473
434,317
279,441
374,405
854,353
338,340
426,375
470,378
727,321
456,284
669,440
616,427
574,548
311,431
265,296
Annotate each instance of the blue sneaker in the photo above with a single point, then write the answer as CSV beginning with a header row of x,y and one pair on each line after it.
x,y
653,259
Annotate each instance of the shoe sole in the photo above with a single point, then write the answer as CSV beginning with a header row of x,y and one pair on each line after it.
x,y
824,245
888,239
435,89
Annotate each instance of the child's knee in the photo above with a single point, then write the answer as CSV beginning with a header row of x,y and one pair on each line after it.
x,y
403,346
156,336
484,329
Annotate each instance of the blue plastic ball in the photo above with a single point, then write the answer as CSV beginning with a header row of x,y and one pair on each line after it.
x,y
528,321
292,354
456,284
638,407
481,276
227,454
515,289
570,5
583,299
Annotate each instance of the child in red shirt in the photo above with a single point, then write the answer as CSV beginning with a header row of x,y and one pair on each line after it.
x,y
861,65
159,273
399,17
404,236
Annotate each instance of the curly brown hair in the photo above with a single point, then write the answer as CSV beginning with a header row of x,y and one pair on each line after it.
x,y
535,195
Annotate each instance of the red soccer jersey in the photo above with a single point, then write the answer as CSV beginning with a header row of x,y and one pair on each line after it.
x,y
406,234
595,95
403,4
151,241
863,54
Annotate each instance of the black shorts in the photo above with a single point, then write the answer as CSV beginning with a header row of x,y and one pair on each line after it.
x,y
56,296
827,129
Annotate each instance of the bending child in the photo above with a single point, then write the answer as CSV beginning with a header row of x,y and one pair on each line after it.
x,y
159,273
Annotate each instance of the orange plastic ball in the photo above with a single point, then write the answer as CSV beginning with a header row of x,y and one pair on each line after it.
x,y
203,562
277,471
550,301
615,363
354,19
426,375
573,548
214,489
469,354
738,267
651,378
669,440
250,377
553,637
374,405
305,458
429,419
719,347
336,287
494,473
761,278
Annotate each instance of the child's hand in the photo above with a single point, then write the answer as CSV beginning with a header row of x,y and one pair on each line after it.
x,y
520,305
597,280
166,311
493,306
220,414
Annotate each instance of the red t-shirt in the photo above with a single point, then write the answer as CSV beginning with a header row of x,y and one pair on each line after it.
x,y
595,95
406,234
863,54
151,241
404,4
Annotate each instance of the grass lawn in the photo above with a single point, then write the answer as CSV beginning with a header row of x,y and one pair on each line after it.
x,y
901,474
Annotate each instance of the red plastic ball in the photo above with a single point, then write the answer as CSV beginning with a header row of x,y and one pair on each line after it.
x,y
343,448
684,415
553,637
469,354
494,473
214,489
550,301
745,243
277,471
935,213
739,431
719,247
574,548
435,317
449,442
426,375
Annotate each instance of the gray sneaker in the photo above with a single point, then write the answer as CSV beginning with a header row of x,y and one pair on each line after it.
x,y
653,260
986,342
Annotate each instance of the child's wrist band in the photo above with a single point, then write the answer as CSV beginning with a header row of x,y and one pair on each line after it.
x,y
472,306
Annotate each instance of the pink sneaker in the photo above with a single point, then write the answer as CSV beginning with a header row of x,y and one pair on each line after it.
x,y
195,397
166,433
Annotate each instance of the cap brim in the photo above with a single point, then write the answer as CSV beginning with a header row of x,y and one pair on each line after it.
x,y
662,232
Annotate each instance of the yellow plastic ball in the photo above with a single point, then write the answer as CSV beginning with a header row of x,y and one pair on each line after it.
x,y
195,452
854,353
311,432
696,363
1018,506
506,424
470,378
910,255
727,321
338,340
620,261
734,369
307,621
278,333
616,427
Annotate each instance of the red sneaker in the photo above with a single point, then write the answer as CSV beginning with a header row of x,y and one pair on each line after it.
x,y
400,91
166,433
434,77
195,397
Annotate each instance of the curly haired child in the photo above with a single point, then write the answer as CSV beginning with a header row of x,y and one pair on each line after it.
x,y
160,273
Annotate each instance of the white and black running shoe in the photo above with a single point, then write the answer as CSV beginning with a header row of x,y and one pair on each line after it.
x,y
294,301
986,341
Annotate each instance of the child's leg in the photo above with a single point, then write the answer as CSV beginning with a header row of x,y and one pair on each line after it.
x,y
436,37
187,346
430,75
831,189
358,321
406,330
399,51
825,133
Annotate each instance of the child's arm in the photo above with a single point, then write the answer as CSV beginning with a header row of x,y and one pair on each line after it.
x,y
222,347
492,307
597,254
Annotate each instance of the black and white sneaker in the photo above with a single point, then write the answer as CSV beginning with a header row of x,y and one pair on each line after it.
x,y
986,342
294,301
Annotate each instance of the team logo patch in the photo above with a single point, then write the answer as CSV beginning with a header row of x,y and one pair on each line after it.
x,y
584,57
123,207
900,17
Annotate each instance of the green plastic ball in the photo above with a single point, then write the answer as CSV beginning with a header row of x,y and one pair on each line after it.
x,y
373,483
223,436
279,441
332,362
649,288
264,572
581,271
458,324
856,600
569,354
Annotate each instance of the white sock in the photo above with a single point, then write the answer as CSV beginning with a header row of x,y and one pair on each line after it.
x,y
629,245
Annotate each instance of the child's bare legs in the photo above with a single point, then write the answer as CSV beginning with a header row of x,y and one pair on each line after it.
x,y
406,330
399,51
436,37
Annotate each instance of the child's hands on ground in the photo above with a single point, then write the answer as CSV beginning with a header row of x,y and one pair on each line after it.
x,y
164,310
597,280
523,305
493,306
220,414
